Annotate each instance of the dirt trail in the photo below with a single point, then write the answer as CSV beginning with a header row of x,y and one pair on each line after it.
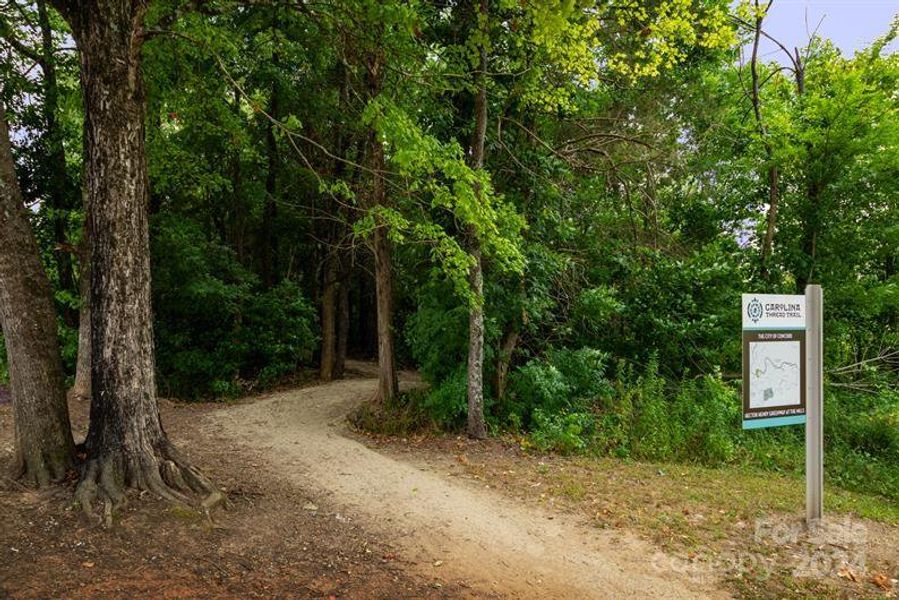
x,y
477,535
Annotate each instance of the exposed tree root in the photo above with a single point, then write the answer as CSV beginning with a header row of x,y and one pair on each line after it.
x,y
163,472
41,470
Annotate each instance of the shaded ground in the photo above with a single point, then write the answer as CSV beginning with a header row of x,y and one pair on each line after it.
x,y
266,544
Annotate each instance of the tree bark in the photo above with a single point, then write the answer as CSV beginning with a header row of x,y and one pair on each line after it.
x,y
343,323
477,427
329,316
82,387
126,444
388,385
44,446
504,360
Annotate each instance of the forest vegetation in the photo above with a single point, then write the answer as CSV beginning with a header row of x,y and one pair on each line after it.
x,y
548,208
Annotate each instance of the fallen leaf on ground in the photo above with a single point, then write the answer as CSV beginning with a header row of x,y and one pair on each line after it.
x,y
848,574
87,565
882,581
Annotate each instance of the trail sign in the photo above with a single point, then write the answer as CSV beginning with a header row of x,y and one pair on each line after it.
x,y
783,377
774,360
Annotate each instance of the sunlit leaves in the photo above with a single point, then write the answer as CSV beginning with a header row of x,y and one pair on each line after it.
x,y
436,172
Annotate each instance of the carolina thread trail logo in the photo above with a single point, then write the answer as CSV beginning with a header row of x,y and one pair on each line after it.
x,y
755,310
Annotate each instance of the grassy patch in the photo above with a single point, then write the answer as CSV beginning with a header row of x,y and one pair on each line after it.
x,y
713,518
401,417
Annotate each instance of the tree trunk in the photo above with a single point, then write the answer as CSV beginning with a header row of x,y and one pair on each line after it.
x,y
238,202
771,221
82,387
126,444
343,322
504,360
388,386
477,427
44,446
329,316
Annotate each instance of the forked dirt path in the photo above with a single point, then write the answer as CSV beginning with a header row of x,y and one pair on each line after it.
x,y
472,535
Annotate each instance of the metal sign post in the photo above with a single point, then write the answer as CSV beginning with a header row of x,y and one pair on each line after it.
x,y
814,426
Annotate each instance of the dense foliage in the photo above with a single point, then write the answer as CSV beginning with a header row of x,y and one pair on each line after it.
x,y
635,183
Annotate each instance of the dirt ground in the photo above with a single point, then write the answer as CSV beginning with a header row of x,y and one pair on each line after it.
x,y
317,510
268,542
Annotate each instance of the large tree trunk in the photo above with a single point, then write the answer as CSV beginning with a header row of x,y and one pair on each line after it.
x,y
44,446
82,387
126,444
477,427
388,386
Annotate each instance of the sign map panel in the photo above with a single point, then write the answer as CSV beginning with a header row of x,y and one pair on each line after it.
x,y
773,360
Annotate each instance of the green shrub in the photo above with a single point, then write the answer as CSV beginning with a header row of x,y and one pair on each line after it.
x,y
709,412
567,381
537,386
217,332
446,404
562,433
573,408
437,334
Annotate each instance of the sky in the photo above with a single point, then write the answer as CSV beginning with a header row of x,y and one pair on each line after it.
x,y
850,24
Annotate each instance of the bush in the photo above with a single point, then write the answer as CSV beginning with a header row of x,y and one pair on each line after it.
x,y
217,332
447,403
437,335
562,433
571,407
567,381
